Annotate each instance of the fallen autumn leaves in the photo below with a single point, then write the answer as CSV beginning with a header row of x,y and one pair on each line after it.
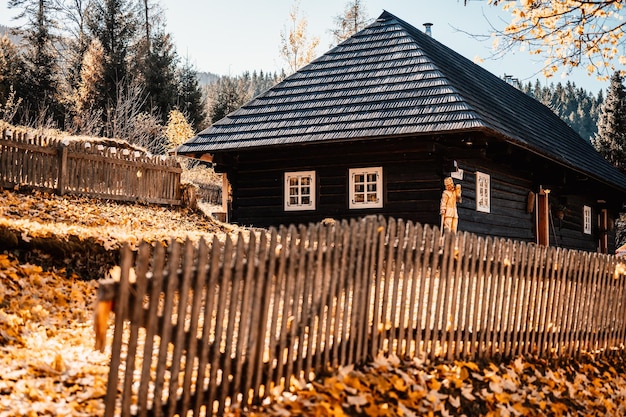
x,y
394,387
48,366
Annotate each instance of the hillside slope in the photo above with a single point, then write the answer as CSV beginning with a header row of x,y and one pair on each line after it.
x,y
74,231
48,365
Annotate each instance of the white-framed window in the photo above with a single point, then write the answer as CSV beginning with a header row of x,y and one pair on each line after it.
x,y
587,220
483,192
300,190
366,187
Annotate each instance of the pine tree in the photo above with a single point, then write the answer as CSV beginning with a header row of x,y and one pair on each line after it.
x,y
159,75
190,98
74,42
610,140
225,97
40,59
114,24
578,108
11,70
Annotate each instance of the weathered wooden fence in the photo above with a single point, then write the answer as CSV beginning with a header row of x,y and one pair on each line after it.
x,y
90,169
217,324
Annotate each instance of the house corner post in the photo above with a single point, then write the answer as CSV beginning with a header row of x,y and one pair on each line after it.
x,y
62,171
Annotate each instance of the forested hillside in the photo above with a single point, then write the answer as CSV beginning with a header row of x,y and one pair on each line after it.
x,y
577,107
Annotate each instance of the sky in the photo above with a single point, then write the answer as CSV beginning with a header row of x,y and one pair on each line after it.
x,y
228,37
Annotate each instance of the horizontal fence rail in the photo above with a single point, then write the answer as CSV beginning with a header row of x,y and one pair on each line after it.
x,y
219,324
91,169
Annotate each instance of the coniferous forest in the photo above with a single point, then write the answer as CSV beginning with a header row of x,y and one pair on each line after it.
x,y
111,73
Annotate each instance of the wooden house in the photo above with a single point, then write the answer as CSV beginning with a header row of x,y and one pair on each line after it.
x,y
374,126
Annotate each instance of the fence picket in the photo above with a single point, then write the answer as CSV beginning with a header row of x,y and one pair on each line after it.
x,y
152,321
454,332
256,318
136,314
223,289
248,283
121,302
233,308
198,287
340,311
334,251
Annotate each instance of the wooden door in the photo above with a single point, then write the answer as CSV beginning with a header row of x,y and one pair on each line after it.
x,y
603,227
543,217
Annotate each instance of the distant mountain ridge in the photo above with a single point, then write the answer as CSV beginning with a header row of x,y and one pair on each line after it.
x,y
6,30
207,78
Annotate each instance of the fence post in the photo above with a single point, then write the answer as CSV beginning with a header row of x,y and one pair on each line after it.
x,y
62,171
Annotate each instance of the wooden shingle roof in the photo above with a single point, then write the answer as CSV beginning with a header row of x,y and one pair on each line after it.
x,y
391,79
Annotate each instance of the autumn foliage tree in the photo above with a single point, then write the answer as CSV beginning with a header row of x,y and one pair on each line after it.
x,y
296,48
568,33
178,130
88,101
353,19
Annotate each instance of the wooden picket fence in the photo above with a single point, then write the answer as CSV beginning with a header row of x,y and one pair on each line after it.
x,y
94,169
208,326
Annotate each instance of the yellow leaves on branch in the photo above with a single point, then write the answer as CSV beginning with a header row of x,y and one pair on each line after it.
x,y
178,129
568,32
295,46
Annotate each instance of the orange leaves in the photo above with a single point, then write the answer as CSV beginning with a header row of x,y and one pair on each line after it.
x,y
47,366
40,215
521,387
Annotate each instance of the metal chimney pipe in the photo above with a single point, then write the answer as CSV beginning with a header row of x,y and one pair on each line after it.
x,y
428,29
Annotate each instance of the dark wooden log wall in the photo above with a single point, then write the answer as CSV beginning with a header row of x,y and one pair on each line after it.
x,y
413,172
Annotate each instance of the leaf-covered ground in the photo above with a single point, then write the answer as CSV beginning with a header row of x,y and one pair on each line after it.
x,y
394,387
41,215
48,366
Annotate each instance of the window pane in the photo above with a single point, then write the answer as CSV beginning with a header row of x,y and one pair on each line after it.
x,y
306,200
371,187
305,181
359,178
371,197
371,177
359,198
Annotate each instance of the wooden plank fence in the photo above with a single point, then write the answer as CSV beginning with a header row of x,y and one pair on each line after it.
x,y
91,169
204,327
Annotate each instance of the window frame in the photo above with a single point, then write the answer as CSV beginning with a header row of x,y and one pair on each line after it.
x,y
587,219
288,187
483,186
378,185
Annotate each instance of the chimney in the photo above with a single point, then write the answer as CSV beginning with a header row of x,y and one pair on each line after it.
x,y
427,29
